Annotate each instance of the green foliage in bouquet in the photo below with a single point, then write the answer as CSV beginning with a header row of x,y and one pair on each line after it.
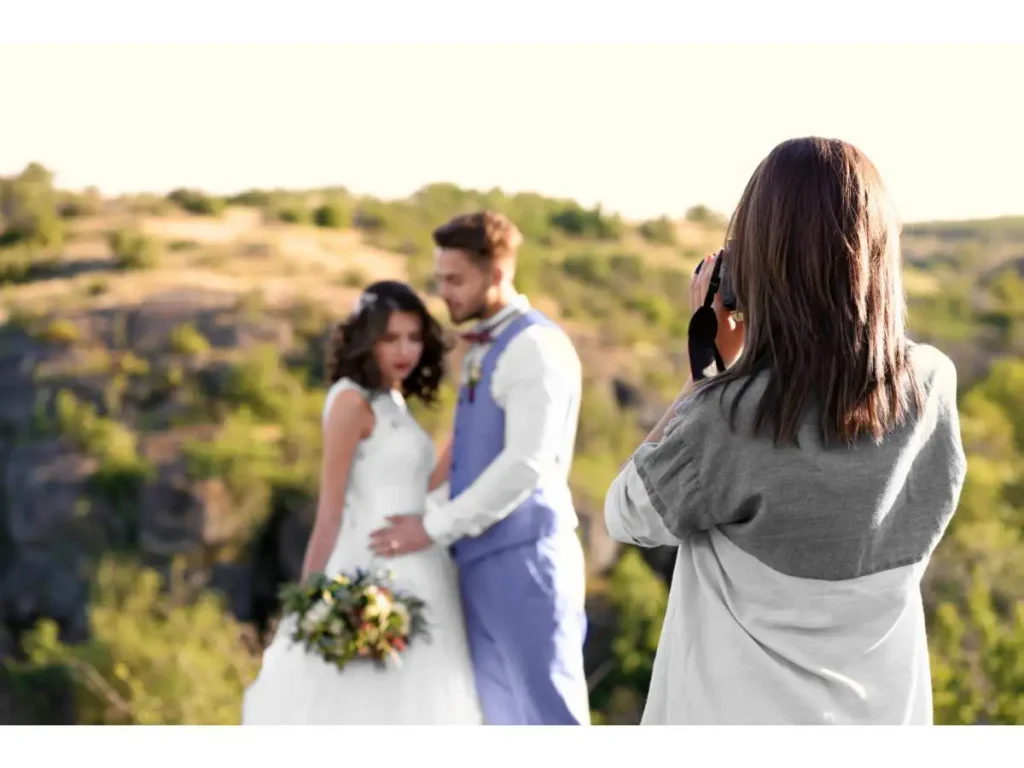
x,y
358,616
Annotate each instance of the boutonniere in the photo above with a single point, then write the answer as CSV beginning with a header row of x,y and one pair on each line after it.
x,y
474,378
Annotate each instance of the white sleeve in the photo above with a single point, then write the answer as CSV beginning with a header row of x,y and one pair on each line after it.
x,y
629,514
536,381
657,496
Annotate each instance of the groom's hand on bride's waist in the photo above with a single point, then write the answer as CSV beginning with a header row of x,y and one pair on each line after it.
x,y
402,535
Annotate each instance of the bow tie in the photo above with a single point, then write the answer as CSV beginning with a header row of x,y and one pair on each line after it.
x,y
478,337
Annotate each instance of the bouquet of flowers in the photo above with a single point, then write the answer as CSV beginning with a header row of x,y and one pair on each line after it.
x,y
357,616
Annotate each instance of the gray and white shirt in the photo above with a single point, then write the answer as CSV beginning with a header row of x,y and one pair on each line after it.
x,y
796,593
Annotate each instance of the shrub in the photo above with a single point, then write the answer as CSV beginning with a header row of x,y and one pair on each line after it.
x,y
21,262
575,220
86,203
335,215
134,250
187,340
701,214
28,210
639,599
197,202
293,212
261,384
60,331
587,267
121,471
252,198
156,656
148,205
659,231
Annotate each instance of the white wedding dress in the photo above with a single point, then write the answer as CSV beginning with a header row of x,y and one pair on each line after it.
x,y
434,684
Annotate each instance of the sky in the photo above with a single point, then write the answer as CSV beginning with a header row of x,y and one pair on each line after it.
x,y
643,129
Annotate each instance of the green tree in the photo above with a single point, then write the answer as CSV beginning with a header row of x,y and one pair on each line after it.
x,y
975,583
159,654
134,250
660,231
197,202
334,214
639,599
89,202
977,658
292,211
29,214
253,198
701,214
575,220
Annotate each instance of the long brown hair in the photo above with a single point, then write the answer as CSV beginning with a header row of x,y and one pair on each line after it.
x,y
813,249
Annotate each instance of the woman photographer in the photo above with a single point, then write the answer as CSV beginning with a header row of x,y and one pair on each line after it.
x,y
807,485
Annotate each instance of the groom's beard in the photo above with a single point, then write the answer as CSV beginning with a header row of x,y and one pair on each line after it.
x,y
476,314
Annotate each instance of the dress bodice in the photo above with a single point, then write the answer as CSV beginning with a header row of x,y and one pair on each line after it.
x,y
391,468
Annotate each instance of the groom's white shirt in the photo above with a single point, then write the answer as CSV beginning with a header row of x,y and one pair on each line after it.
x,y
537,380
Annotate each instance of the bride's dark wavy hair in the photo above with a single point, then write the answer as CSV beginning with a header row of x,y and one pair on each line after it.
x,y
349,351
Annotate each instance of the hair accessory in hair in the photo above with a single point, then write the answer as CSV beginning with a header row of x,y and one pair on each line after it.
x,y
365,301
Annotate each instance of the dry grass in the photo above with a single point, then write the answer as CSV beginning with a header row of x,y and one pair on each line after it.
x,y
698,237
236,253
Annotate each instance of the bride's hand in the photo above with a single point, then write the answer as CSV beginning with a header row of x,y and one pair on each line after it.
x,y
402,535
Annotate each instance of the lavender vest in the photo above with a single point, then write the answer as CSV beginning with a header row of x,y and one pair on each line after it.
x,y
479,438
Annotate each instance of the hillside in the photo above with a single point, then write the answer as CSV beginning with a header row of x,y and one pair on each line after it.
x,y
160,402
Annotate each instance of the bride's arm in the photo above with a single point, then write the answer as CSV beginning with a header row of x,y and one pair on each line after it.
x,y
349,421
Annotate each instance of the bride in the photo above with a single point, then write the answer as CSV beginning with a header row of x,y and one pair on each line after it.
x,y
377,461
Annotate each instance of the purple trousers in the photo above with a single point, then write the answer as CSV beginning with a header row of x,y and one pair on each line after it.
x,y
525,618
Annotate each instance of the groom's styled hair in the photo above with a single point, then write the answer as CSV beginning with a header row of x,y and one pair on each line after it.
x,y
484,236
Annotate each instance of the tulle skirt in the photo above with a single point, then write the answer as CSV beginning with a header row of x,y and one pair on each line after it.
x,y
432,685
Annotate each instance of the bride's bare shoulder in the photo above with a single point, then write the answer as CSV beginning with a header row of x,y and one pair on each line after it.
x,y
347,406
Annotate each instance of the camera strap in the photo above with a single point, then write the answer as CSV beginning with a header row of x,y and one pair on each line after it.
x,y
703,330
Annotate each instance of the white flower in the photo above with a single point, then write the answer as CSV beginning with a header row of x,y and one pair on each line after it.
x,y
378,604
315,616
335,626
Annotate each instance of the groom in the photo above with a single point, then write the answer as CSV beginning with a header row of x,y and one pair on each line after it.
x,y
508,515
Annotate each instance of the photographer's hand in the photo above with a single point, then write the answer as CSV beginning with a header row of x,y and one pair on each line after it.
x,y
658,432
729,339
730,330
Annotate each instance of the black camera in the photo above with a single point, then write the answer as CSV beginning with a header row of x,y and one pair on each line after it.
x,y
721,280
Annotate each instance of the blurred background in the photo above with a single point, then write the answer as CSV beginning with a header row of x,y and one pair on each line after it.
x,y
180,225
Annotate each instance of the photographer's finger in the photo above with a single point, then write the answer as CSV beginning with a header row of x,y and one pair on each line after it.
x,y
695,279
699,271
700,283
